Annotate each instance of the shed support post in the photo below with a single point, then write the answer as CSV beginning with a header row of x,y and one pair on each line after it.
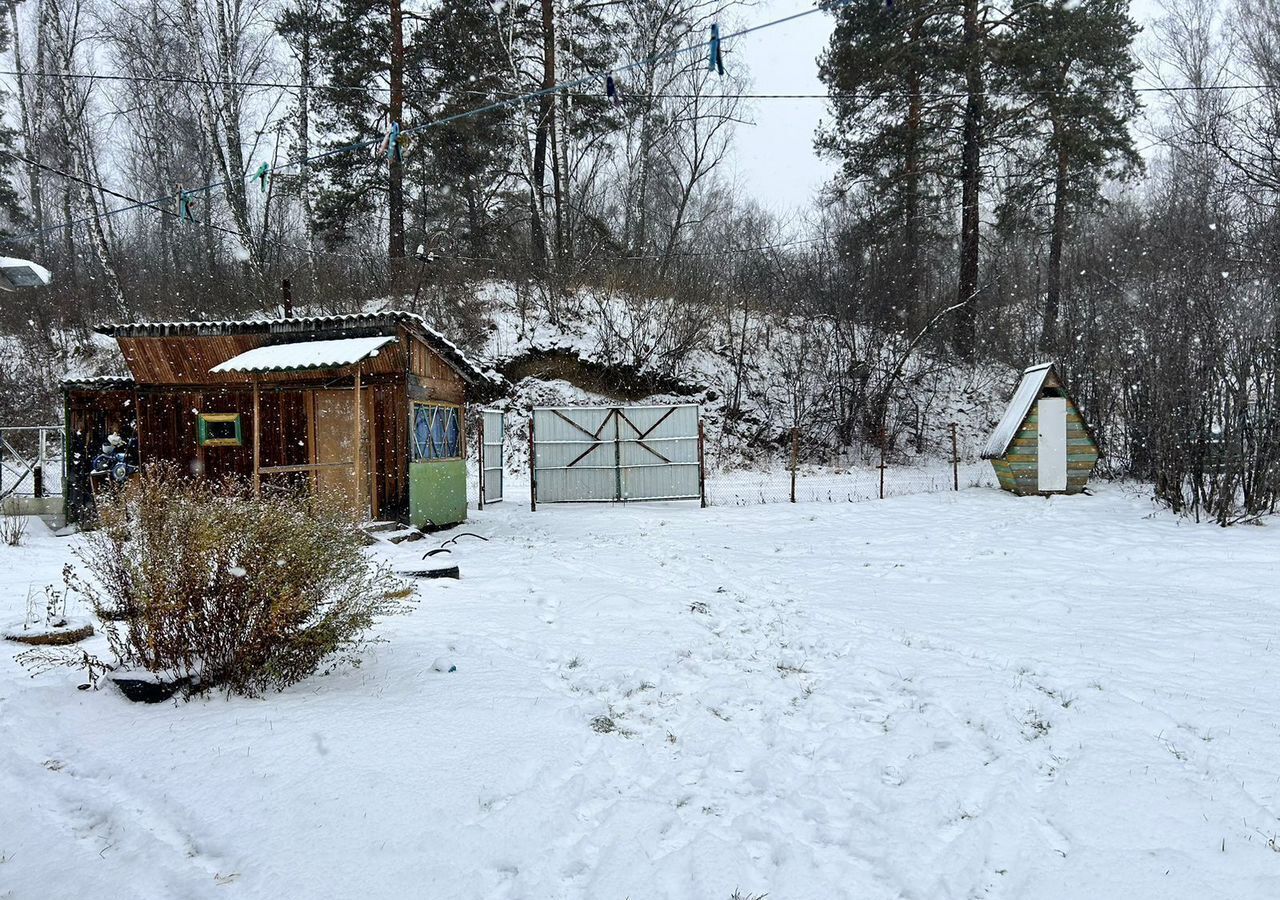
x,y
357,450
257,441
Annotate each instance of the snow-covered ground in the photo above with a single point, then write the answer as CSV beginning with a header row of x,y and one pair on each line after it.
x,y
950,695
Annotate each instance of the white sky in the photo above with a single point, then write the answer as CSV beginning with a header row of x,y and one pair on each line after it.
x,y
774,159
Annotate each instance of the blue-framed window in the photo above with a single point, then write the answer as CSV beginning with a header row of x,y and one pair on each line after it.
x,y
437,432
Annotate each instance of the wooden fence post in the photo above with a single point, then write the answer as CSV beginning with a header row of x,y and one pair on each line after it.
x,y
533,471
881,465
795,458
955,459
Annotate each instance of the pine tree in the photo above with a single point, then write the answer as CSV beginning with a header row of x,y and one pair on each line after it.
x,y
908,86
892,80
1067,86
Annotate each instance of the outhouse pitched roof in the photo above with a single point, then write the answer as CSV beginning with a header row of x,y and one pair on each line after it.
x,y
1029,388
328,354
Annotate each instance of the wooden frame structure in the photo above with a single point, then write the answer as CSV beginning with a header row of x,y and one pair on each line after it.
x,y
326,403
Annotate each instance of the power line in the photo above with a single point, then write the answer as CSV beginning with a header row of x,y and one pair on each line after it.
x,y
168,78
417,129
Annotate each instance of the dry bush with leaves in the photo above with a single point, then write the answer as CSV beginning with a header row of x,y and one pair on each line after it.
x,y
195,580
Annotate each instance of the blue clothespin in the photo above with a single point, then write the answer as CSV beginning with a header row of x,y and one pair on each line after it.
x,y
393,142
714,62
611,91
263,171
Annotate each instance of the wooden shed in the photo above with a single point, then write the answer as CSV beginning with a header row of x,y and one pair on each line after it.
x,y
1042,444
369,406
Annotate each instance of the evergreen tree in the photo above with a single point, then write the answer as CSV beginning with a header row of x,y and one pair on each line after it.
x,y
892,81
1067,86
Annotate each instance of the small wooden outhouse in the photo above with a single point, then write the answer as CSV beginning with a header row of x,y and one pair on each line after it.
x,y
1042,444
368,406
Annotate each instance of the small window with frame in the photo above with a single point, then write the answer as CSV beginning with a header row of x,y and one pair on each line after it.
x,y
437,432
219,429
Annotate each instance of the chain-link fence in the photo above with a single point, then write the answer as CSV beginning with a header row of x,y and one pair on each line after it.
x,y
807,482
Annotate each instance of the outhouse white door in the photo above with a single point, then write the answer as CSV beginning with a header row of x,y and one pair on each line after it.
x,y
1051,451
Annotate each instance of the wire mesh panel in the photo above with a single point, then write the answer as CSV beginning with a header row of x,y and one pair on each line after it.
x,y
491,455
611,453
31,460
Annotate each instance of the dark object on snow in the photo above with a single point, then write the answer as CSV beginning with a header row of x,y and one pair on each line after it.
x,y
447,572
142,690
51,637
435,551
454,539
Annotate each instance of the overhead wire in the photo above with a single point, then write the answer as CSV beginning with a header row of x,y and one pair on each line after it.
x,y
495,106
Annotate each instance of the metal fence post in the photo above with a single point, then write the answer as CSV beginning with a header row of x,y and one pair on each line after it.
x,y
702,464
955,459
881,465
795,457
533,470
480,457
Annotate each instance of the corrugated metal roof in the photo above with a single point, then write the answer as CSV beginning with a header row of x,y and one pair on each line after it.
x,y
470,370
330,354
1028,390
99,381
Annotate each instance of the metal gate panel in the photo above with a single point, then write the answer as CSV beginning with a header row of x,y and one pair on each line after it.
x,y
659,452
575,454
607,453
491,463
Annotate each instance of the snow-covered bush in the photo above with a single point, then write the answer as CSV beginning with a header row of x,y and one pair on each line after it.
x,y
199,583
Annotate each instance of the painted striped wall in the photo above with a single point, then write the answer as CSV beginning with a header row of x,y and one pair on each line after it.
x,y
1017,469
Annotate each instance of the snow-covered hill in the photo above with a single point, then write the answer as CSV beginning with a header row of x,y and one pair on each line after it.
x,y
755,377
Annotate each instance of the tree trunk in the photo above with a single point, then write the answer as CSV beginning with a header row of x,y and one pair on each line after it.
x,y
395,189
30,139
971,186
911,182
1053,293
546,122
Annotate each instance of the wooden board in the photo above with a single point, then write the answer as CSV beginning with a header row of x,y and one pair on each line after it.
x,y
335,443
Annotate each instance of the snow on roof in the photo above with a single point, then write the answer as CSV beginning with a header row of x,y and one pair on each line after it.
x,y
305,355
98,381
1026,394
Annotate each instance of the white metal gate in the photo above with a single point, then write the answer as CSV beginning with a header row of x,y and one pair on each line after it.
x,y
613,453
492,431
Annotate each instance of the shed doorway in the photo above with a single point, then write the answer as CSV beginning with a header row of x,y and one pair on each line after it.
x,y
334,441
1051,449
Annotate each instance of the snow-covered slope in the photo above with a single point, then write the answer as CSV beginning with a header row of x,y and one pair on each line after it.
x,y
754,377
913,698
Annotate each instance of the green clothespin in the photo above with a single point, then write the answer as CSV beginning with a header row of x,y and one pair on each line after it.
x,y
263,171
185,204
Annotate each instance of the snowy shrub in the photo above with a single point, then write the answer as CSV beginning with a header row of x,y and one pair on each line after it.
x,y
13,528
201,584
